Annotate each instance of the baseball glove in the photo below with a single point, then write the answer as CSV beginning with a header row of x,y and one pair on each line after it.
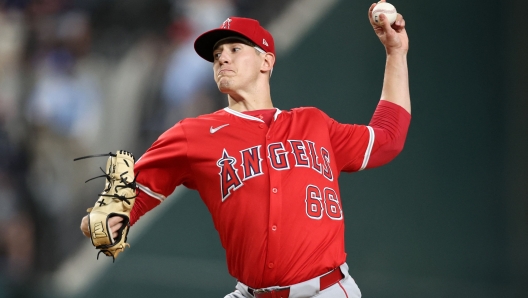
x,y
117,199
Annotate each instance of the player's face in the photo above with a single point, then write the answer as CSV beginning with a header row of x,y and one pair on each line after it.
x,y
236,66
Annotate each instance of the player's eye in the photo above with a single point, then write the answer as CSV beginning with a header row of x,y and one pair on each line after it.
x,y
217,55
236,49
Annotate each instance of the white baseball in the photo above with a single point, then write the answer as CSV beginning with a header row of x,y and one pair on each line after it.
x,y
384,8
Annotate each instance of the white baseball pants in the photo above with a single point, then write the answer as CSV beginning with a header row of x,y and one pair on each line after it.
x,y
346,288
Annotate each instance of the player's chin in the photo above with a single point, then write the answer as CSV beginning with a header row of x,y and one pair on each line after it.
x,y
224,86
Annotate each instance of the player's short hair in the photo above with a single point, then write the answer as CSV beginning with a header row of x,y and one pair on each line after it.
x,y
241,40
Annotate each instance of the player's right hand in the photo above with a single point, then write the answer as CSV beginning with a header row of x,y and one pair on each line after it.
x,y
393,37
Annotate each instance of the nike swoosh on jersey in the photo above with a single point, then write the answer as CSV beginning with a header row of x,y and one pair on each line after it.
x,y
213,130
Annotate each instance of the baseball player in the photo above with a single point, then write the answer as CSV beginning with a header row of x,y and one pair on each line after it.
x,y
269,177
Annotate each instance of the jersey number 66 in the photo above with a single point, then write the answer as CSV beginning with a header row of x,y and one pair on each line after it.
x,y
315,206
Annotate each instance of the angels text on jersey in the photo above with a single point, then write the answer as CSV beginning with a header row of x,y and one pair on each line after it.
x,y
305,154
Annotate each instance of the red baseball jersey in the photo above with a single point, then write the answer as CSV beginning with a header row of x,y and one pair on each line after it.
x,y
272,190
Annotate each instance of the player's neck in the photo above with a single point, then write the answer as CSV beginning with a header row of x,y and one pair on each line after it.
x,y
249,105
250,101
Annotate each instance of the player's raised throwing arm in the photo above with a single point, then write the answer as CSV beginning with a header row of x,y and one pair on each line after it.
x,y
390,121
396,42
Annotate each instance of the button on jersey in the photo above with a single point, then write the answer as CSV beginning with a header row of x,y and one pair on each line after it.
x,y
272,191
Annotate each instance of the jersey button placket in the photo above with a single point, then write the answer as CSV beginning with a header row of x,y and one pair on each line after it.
x,y
275,214
274,199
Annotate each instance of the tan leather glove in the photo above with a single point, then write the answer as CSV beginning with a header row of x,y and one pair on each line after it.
x,y
117,199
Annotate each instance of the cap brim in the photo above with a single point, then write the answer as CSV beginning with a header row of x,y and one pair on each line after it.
x,y
204,43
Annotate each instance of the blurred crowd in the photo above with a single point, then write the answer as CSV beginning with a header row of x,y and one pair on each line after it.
x,y
81,77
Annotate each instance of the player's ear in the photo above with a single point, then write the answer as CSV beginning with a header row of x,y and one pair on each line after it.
x,y
268,62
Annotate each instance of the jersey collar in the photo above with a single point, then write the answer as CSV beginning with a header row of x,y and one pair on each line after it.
x,y
242,115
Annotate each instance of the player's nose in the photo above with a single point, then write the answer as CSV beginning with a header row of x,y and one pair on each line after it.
x,y
224,57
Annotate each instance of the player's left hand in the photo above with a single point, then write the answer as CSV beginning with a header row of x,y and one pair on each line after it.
x,y
393,37
115,224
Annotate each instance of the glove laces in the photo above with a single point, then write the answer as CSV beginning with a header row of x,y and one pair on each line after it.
x,y
123,180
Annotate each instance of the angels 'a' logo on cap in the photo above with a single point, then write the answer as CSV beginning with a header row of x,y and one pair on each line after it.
x,y
264,42
227,23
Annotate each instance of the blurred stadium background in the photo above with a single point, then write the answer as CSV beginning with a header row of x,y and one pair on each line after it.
x,y
447,218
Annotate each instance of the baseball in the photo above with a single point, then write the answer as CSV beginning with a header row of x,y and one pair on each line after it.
x,y
387,9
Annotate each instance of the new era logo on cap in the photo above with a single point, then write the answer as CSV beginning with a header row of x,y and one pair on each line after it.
x,y
250,29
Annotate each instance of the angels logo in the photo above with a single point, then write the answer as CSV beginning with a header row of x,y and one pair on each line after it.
x,y
229,180
281,155
226,24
